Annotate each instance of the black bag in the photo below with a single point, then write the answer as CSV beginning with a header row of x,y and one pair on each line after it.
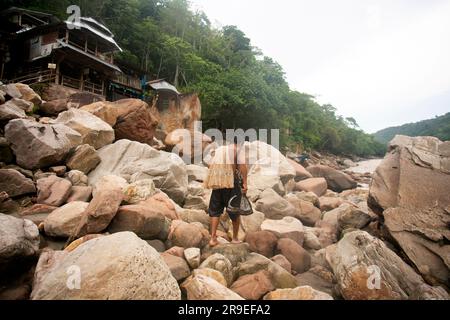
x,y
242,207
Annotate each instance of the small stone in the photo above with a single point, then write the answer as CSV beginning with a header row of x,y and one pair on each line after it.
x,y
58,170
53,191
192,256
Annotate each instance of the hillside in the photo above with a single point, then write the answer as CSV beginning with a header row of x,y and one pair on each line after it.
x,y
238,86
438,127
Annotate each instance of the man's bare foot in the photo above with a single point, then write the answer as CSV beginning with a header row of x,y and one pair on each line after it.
x,y
213,242
236,241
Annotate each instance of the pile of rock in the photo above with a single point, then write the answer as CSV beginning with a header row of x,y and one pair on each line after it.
x,y
86,202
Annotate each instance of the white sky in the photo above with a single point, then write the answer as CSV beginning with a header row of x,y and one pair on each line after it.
x,y
384,62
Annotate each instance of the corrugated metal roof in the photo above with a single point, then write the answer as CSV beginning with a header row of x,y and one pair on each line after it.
x,y
85,25
162,85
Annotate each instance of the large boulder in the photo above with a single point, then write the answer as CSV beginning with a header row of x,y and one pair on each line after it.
x,y
415,212
84,159
366,269
37,213
264,159
252,222
300,172
79,99
308,196
178,266
10,90
211,273
188,144
103,110
53,107
352,217
337,181
63,221
53,191
10,110
6,154
145,221
162,203
319,278
135,161
138,191
135,121
19,240
306,212
274,206
316,185
15,183
80,193
188,235
125,268
253,286
288,227
329,203
268,168
298,257
279,277
299,293
235,253
201,287
262,242
49,144
28,94
101,210
196,172
22,104
192,256
93,130
192,215
221,264
282,262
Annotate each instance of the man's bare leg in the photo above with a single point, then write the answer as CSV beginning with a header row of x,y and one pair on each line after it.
x,y
214,224
236,224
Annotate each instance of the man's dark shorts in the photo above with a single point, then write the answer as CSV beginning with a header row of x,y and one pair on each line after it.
x,y
220,198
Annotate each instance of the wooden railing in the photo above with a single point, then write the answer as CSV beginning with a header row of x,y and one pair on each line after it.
x,y
97,54
70,82
34,77
93,87
47,76
128,81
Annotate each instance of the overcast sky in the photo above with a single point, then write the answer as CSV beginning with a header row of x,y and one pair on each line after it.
x,y
384,62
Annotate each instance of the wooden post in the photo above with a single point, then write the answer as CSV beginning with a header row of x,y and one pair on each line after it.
x,y
82,80
67,36
57,73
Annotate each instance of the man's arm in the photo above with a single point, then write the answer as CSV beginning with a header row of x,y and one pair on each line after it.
x,y
243,169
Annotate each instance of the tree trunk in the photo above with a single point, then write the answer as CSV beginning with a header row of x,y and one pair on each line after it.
x,y
177,72
160,65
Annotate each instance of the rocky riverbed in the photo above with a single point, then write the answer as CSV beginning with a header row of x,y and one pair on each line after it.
x,y
94,206
366,166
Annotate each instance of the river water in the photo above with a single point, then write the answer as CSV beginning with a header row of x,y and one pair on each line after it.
x,y
366,166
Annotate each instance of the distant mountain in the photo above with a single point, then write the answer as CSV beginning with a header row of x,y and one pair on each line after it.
x,y
438,127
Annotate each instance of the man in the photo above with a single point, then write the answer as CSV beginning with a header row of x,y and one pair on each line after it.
x,y
227,169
